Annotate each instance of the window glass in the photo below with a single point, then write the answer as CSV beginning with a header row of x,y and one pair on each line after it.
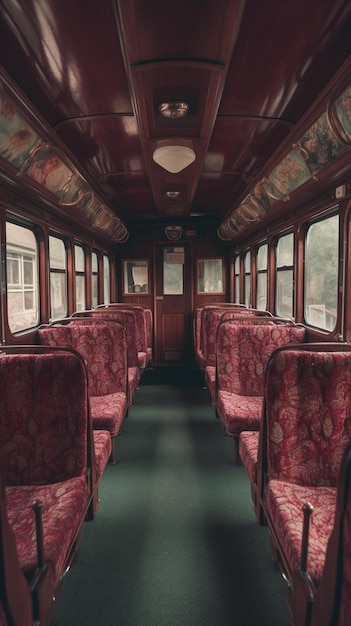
x,y
22,277
321,273
210,276
80,277
94,280
247,265
173,263
58,278
237,280
262,277
106,268
284,275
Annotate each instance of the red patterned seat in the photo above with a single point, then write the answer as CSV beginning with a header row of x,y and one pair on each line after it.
x,y
211,322
143,322
242,353
127,320
103,347
46,457
305,429
332,599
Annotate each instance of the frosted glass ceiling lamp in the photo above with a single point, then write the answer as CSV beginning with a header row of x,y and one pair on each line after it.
x,y
174,159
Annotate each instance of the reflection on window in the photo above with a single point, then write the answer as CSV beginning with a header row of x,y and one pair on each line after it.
x,y
210,276
79,258
237,280
94,280
321,273
284,276
22,277
136,277
106,270
262,277
173,263
247,264
58,278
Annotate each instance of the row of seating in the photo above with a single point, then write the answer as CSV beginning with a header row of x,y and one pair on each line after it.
x,y
299,468
296,450
235,345
62,404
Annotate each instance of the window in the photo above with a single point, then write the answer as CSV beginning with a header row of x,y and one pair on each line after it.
x,y
284,275
262,277
135,277
106,270
237,280
173,278
58,278
210,276
94,280
22,277
79,257
321,273
247,265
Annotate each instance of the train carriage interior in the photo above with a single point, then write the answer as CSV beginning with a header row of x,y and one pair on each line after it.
x,y
175,369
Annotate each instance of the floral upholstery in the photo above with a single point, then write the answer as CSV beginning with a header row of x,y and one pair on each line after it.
x,y
63,509
248,451
103,348
128,322
108,411
239,412
242,353
149,335
43,441
345,601
284,501
102,447
308,397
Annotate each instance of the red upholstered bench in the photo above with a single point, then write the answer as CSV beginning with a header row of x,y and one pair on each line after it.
x,y
242,353
103,346
46,458
128,321
305,427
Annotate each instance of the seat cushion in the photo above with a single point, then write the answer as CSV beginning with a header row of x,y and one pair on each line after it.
x,y
63,512
248,451
108,411
239,413
284,502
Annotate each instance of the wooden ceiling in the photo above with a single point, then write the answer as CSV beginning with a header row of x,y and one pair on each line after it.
x,y
97,71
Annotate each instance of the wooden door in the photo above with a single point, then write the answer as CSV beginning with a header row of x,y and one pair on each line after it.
x,y
173,303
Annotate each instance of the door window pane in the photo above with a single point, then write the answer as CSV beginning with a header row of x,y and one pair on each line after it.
x,y
173,263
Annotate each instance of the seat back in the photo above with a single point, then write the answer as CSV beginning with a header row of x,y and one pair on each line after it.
x,y
43,416
307,413
101,344
142,327
243,350
127,320
212,320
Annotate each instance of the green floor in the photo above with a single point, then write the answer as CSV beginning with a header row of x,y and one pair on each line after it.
x,y
175,541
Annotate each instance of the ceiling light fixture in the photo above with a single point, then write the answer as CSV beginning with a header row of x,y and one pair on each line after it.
x,y
174,109
173,194
174,159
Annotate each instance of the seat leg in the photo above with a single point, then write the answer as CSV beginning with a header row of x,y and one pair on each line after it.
x,y
113,456
236,457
